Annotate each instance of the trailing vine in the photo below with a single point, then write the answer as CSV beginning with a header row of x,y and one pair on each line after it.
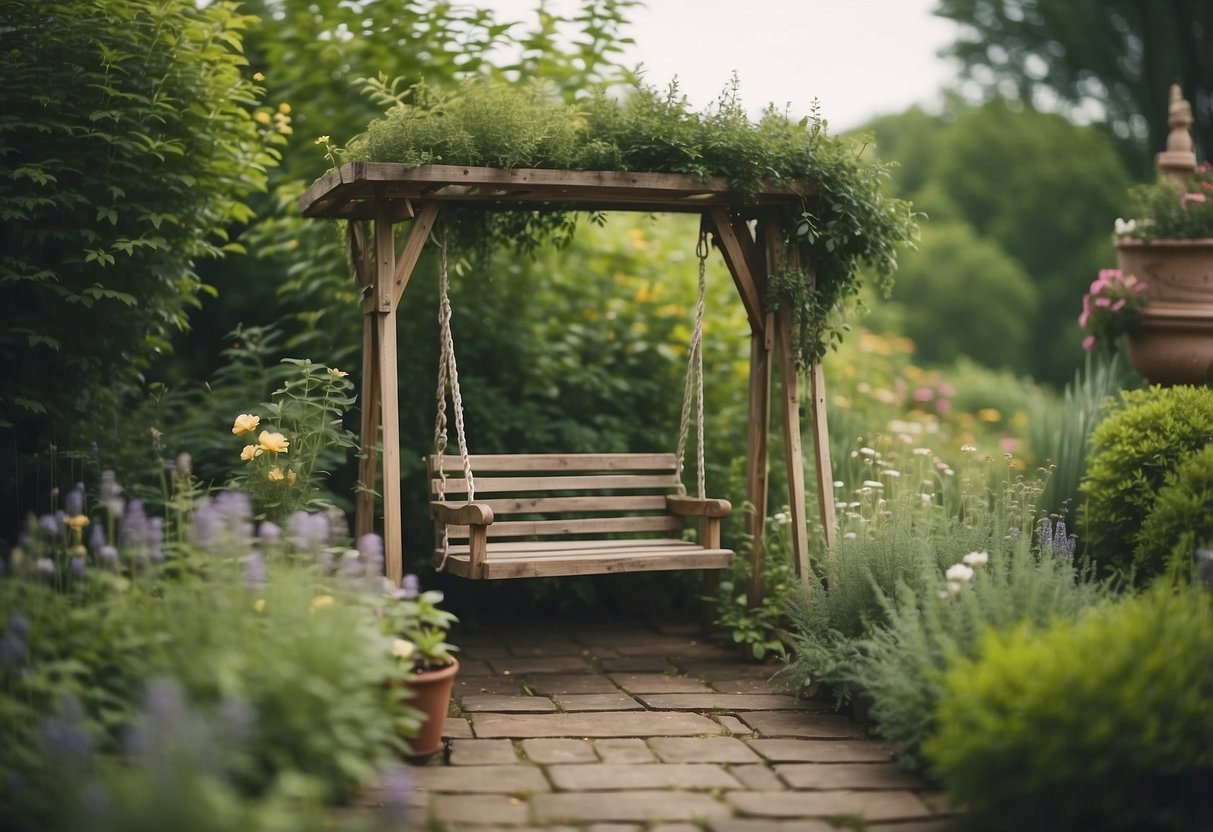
x,y
850,222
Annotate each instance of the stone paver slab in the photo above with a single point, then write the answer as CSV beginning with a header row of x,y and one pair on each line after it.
x,y
456,729
518,666
639,724
476,703
871,806
720,702
702,750
480,779
657,683
495,809
566,684
639,806
633,751
808,725
487,686
847,776
558,750
933,825
472,752
721,671
757,778
768,825
675,827
617,701
633,664
733,725
823,751
536,648
624,777
743,686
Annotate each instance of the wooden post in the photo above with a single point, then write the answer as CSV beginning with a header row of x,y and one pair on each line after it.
x,y
362,255
385,336
823,469
792,447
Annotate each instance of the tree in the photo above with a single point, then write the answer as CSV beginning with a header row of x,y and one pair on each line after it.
x,y
131,140
960,294
1113,58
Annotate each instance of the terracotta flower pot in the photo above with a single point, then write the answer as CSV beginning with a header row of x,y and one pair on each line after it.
x,y
1174,343
432,696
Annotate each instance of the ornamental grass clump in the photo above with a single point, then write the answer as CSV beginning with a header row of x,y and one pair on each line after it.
x,y
1166,211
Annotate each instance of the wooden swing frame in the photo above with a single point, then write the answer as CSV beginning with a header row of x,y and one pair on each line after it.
x,y
377,196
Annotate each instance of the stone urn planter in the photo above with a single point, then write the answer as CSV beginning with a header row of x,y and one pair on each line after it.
x,y
1174,342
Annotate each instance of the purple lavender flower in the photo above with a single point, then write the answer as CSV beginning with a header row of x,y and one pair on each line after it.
x,y
78,567
108,555
1054,539
64,739
409,589
205,531
50,525
236,511
155,538
13,651
18,625
44,566
74,502
308,532
133,534
96,539
270,534
255,574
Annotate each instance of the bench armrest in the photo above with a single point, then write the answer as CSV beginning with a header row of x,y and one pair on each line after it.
x,y
683,506
461,514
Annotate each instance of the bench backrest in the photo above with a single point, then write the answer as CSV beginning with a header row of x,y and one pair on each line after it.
x,y
565,495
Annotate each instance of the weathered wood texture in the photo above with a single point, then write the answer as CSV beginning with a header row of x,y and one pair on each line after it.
x,y
351,191
572,514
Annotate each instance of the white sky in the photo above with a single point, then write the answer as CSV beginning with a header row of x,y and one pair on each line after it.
x,y
860,58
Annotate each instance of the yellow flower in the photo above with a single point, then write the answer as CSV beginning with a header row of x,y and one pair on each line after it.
x,y
245,423
250,452
284,107
322,140
275,443
275,475
291,476
78,521
262,117
335,373
989,414
259,605
402,648
258,76
320,602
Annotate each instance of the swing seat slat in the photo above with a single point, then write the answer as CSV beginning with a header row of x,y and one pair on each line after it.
x,y
570,514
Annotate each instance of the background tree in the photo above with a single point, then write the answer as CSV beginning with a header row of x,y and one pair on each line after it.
x,y
1108,59
132,140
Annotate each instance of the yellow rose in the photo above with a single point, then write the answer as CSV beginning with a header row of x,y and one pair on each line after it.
x,y
284,108
244,423
250,452
275,475
291,476
262,117
78,521
402,649
320,602
275,443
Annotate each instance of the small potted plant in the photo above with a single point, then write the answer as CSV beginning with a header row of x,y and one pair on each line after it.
x,y
420,628
1169,247
1112,308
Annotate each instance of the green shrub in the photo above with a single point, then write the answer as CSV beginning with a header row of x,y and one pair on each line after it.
x,y
1105,724
1132,452
1182,517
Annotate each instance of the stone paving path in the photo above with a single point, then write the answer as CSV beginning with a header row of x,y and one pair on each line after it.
x,y
623,728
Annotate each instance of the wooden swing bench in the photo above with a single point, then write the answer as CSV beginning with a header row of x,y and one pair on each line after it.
x,y
569,514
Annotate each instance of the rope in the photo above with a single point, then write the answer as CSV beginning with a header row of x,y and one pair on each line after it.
x,y
694,380
448,376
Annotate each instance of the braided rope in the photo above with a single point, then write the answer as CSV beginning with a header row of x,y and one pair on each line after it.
x,y
448,376
694,380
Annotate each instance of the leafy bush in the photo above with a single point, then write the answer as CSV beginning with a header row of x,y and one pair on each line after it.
x,y
1182,517
1105,724
1148,435
754,631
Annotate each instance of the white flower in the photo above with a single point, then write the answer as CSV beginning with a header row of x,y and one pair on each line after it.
x,y
926,498
849,536
890,472
921,452
959,572
948,472
1125,227
968,449
977,558
868,452
872,484
839,483
954,587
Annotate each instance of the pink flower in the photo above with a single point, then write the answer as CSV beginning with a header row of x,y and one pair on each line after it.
x,y
1088,343
1119,305
1083,318
1188,199
1103,303
1110,275
924,394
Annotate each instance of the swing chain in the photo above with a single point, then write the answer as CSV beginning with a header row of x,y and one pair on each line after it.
x,y
448,376
694,379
